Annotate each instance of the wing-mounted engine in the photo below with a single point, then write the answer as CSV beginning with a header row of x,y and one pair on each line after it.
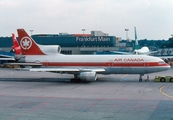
x,y
87,76
50,49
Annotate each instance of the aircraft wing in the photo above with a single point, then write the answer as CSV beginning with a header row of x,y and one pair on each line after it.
x,y
150,52
67,70
131,53
6,57
165,57
124,53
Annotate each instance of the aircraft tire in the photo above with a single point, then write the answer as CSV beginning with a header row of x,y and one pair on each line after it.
x,y
140,80
171,79
162,79
74,80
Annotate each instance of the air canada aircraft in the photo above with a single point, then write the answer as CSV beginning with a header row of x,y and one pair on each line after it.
x,y
47,58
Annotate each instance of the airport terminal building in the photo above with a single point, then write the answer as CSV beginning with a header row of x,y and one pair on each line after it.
x,y
97,41
93,43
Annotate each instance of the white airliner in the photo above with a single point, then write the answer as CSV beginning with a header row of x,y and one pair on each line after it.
x,y
84,67
143,51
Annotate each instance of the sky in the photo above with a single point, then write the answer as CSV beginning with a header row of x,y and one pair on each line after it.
x,y
153,18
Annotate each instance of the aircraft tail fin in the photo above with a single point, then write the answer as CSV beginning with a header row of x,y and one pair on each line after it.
x,y
15,48
136,40
28,45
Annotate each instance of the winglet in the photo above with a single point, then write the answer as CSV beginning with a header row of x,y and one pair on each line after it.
x,y
28,45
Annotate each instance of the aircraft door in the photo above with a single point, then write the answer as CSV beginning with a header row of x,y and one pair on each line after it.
x,y
110,63
45,63
146,64
115,67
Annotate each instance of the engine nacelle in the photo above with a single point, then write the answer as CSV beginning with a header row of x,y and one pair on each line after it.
x,y
17,52
50,49
88,76
19,58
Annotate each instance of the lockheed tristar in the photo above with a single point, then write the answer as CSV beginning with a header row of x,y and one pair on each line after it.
x,y
47,58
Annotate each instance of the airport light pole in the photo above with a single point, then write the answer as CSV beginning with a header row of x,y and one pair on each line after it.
x,y
83,34
172,35
126,33
31,32
83,30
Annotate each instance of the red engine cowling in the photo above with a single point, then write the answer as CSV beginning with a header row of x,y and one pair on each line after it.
x,y
50,49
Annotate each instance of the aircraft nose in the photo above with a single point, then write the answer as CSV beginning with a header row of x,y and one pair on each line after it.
x,y
167,66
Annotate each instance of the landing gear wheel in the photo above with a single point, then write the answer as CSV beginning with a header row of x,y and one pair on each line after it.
x,y
140,80
72,80
75,80
171,79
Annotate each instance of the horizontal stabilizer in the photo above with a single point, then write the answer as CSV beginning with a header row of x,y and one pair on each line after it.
x,y
7,59
24,64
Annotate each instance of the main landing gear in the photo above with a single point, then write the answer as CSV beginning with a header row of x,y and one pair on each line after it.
x,y
75,79
140,77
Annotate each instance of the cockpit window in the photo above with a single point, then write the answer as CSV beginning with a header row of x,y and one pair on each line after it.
x,y
161,62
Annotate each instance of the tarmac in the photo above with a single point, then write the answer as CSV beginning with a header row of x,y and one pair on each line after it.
x,y
28,95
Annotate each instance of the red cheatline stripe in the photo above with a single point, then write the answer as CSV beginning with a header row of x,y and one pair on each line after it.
x,y
151,64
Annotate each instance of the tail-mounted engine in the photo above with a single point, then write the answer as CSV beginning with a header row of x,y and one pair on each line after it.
x,y
16,49
50,49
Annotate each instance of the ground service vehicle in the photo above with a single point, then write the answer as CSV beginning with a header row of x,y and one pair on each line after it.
x,y
164,79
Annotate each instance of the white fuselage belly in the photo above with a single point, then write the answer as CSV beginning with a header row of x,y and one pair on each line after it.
x,y
113,64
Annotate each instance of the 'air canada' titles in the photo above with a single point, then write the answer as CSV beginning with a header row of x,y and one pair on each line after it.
x,y
129,60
